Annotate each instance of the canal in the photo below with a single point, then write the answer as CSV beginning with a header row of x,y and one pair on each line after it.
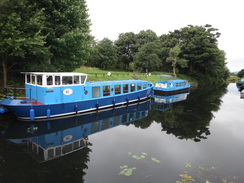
x,y
198,133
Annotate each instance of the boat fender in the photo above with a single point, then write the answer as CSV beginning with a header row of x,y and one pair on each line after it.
x,y
139,98
114,102
2,110
48,113
76,108
32,114
97,105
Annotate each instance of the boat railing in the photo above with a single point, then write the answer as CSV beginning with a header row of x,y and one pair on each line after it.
x,y
14,92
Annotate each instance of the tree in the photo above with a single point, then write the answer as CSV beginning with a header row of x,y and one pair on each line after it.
x,y
174,59
147,57
104,55
240,74
67,26
126,46
199,48
21,26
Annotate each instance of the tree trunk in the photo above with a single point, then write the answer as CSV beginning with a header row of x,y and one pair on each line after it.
x,y
5,72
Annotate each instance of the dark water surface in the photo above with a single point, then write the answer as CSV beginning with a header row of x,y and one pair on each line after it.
x,y
205,131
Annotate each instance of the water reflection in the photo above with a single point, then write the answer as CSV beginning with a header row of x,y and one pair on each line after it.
x,y
65,147
189,119
163,102
51,140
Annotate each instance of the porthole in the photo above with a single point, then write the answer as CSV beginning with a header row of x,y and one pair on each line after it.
x,y
86,92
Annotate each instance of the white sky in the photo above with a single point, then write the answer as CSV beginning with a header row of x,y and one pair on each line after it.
x,y
109,18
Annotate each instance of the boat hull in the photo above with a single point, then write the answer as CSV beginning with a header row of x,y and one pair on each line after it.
x,y
33,110
165,92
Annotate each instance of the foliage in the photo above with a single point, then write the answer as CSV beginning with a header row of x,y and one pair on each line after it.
x,y
185,177
104,55
126,171
126,46
46,35
174,59
67,25
240,74
147,59
21,35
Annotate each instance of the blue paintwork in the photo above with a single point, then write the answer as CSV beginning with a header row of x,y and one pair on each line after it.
x,y
65,132
54,101
171,86
163,102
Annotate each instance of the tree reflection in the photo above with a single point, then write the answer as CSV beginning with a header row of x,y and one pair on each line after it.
x,y
188,119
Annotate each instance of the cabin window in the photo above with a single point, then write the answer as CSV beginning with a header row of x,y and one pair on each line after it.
x,y
76,80
116,120
50,153
117,89
82,143
144,85
49,80
131,116
105,124
125,88
96,92
39,80
83,78
28,78
67,148
76,144
132,87
57,80
67,80
124,118
106,90
137,115
58,151
139,86
33,79
95,127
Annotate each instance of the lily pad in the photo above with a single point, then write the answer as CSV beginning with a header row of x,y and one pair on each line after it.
x,y
155,160
127,171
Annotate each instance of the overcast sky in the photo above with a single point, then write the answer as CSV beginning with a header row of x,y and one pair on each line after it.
x,y
109,18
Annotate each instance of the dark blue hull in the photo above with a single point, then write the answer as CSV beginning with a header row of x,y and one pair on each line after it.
x,y
32,112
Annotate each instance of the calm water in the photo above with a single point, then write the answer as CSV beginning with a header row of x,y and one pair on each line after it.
x,y
155,142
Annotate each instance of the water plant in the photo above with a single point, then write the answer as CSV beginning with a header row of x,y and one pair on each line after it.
x,y
126,171
185,177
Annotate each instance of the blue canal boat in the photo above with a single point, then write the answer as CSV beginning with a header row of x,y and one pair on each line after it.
x,y
171,87
54,138
50,95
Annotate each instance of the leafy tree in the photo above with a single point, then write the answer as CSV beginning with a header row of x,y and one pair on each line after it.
x,y
147,59
21,36
67,25
174,59
144,37
240,74
199,48
104,54
126,46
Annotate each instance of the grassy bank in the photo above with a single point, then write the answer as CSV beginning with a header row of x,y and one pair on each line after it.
x,y
96,74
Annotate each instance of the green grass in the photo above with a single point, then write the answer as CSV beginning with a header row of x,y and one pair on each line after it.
x,y
96,74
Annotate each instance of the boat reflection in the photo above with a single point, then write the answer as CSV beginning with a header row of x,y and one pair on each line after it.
x,y
162,102
50,139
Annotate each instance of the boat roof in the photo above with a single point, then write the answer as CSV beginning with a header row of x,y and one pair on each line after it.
x,y
56,73
164,75
174,81
117,81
